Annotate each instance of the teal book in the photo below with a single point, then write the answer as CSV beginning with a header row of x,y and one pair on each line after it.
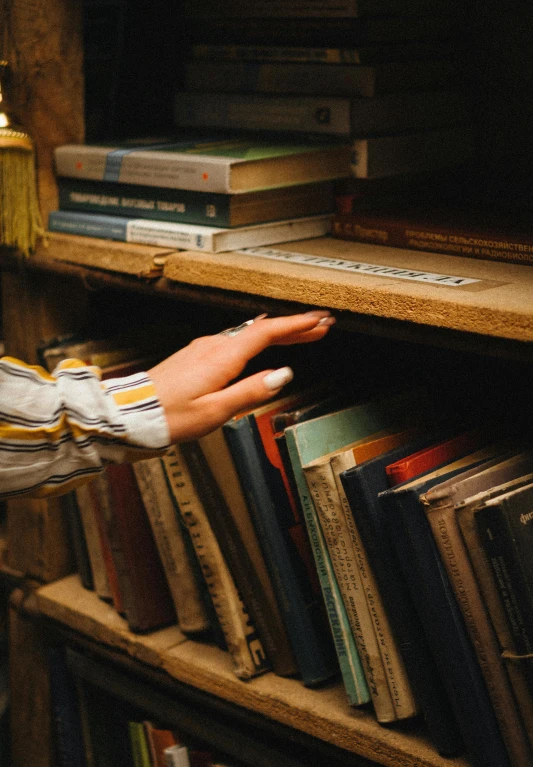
x,y
190,207
308,441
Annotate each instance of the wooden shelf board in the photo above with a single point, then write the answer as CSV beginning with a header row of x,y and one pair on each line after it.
x,y
500,305
324,713
123,257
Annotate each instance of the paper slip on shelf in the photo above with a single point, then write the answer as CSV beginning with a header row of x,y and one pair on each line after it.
x,y
187,236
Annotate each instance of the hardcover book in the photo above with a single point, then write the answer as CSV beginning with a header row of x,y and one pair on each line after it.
x,y
360,594
362,485
439,505
187,236
182,206
365,55
425,574
169,536
316,79
314,8
350,663
328,115
201,162
242,639
284,542
240,564
519,673
468,233
504,528
309,440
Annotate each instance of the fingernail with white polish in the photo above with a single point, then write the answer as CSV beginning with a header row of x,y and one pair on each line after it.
x,y
278,378
327,321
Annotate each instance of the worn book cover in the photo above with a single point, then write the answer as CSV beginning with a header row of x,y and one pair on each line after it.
x,y
306,442
169,537
188,207
283,538
354,574
241,636
519,673
433,597
439,505
208,162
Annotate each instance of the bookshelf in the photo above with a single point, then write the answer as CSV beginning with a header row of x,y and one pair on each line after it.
x,y
57,289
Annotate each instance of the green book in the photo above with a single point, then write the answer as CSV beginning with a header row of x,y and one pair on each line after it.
x,y
223,163
308,441
189,207
139,745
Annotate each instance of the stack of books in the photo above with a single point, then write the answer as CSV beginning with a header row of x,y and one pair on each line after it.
x,y
382,73
200,191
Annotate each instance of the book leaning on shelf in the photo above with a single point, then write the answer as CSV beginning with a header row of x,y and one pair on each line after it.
x,y
242,639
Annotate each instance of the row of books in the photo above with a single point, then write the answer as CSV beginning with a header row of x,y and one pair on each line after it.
x,y
92,727
325,533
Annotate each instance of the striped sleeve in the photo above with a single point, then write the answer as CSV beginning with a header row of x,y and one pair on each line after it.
x,y
57,429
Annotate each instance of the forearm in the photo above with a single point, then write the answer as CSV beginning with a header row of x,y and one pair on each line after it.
x,y
57,430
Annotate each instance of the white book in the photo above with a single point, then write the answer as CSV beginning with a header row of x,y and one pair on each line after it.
x,y
176,756
335,116
209,239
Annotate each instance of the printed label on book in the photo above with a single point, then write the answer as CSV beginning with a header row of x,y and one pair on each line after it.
x,y
376,270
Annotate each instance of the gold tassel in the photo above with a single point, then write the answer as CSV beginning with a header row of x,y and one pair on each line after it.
x,y
20,217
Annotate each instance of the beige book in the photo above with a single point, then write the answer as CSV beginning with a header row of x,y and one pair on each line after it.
x,y
168,533
439,505
92,540
465,514
365,610
242,639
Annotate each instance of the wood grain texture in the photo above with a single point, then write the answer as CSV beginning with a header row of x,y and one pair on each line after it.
x,y
323,713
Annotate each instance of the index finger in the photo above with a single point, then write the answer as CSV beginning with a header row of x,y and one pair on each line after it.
x,y
295,328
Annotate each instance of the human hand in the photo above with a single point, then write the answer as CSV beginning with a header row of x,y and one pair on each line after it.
x,y
194,384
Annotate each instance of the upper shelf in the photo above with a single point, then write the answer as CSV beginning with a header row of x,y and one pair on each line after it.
x,y
492,311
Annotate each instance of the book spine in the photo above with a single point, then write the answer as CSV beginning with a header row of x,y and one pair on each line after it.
x,y
177,206
491,599
500,548
419,235
424,571
151,605
312,649
79,540
282,78
242,639
66,720
301,114
442,519
233,550
278,53
402,696
320,482
168,534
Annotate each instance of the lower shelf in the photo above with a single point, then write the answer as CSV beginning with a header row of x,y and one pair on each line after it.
x,y
323,713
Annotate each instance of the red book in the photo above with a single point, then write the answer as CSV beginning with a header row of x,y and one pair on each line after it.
x,y
149,604
437,455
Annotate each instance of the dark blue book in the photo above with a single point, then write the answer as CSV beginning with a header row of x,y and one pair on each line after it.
x,y
362,485
284,547
409,531
67,731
